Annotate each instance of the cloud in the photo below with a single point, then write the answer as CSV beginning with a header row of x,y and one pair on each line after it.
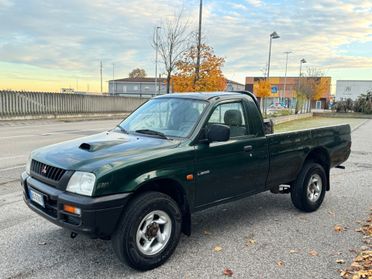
x,y
75,35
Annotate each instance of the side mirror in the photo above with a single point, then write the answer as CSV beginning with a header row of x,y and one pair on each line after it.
x,y
269,126
218,132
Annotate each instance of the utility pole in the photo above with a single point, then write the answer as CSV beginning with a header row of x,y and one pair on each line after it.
x,y
113,79
100,70
285,75
197,68
156,58
302,61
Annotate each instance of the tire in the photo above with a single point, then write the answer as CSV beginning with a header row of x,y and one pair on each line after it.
x,y
137,242
306,194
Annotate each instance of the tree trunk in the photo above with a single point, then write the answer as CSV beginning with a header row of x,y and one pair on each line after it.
x,y
168,82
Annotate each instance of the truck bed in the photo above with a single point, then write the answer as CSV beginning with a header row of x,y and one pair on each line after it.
x,y
287,150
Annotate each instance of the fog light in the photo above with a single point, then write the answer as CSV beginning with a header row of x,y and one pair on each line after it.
x,y
71,209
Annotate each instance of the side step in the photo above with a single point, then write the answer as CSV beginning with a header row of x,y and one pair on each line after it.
x,y
281,189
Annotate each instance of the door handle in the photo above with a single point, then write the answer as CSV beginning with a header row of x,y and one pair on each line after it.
x,y
248,148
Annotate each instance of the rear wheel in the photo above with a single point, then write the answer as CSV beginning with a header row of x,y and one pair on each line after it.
x,y
308,190
149,231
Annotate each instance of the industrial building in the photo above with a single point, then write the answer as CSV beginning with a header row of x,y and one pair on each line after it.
x,y
352,89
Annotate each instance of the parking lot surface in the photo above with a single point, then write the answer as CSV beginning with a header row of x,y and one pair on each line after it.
x,y
262,236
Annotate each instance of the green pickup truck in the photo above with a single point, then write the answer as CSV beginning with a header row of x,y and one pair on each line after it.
x,y
139,183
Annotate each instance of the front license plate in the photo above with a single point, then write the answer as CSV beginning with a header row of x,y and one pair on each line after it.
x,y
36,197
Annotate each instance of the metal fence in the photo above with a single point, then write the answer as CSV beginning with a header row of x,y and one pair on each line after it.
x,y
13,103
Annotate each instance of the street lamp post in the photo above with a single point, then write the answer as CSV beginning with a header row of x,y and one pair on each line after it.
x,y
302,61
273,35
285,75
156,58
113,78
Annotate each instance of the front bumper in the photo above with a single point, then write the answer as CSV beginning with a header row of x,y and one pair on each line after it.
x,y
99,215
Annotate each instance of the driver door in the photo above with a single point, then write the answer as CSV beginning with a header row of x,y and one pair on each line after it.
x,y
228,169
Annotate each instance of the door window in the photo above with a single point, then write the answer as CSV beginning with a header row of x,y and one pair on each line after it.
x,y
232,115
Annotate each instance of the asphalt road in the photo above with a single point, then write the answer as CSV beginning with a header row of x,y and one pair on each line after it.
x,y
31,247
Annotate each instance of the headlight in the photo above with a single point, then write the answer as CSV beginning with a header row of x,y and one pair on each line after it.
x,y
28,165
81,183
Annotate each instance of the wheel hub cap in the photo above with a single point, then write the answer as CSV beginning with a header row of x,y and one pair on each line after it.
x,y
314,188
154,232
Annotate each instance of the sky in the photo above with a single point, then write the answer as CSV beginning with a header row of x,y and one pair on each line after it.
x,y
46,45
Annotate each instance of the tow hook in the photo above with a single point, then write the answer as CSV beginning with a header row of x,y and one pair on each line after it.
x,y
73,235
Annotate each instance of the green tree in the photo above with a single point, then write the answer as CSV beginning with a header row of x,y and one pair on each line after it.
x,y
137,73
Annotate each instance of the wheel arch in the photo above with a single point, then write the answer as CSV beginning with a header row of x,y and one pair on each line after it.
x,y
320,156
173,189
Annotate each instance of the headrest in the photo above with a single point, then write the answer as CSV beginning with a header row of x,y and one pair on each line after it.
x,y
233,117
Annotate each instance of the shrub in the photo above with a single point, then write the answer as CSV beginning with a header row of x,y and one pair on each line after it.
x,y
364,103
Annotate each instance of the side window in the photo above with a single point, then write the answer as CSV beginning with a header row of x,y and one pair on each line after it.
x,y
232,115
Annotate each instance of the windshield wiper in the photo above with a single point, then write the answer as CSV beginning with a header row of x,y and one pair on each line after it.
x,y
152,132
122,129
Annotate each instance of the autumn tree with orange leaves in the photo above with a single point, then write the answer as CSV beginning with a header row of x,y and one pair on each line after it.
x,y
210,75
262,89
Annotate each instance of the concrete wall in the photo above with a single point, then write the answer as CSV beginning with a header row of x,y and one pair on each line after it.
x,y
22,104
287,118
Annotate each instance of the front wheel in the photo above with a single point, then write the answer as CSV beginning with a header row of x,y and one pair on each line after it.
x,y
149,231
308,190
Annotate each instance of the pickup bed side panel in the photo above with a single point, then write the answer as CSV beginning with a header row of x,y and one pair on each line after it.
x,y
288,151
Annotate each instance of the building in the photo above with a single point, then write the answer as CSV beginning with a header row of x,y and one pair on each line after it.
x,y
352,89
137,87
288,96
234,86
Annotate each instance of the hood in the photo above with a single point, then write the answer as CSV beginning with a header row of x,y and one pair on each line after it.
x,y
92,152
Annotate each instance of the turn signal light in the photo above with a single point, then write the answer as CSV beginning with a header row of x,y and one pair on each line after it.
x,y
71,209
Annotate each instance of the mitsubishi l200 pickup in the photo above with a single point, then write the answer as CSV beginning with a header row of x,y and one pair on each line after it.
x,y
138,183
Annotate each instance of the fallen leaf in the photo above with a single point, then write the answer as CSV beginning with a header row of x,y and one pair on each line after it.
x,y
228,272
313,253
42,243
340,261
217,248
339,228
207,233
293,251
331,213
252,241
280,263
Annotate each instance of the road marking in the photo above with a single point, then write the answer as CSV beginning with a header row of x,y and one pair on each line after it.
x,y
72,132
13,168
12,157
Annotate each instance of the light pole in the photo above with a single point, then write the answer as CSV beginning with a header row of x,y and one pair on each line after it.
x,y
113,78
197,68
100,71
273,35
156,58
302,61
285,75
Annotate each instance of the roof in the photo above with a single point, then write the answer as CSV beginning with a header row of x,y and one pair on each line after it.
x,y
201,95
145,79
234,82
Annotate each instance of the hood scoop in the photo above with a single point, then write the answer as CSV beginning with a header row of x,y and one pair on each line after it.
x,y
98,145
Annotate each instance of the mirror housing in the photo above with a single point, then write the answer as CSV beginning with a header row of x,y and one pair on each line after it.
x,y
217,132
268,126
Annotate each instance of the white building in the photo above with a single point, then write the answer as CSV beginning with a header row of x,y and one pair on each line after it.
x,y
352,88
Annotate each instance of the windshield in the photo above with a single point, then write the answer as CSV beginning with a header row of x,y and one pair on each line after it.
x,y
172,117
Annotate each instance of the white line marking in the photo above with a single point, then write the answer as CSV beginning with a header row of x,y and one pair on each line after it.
x,y
13,168
12,157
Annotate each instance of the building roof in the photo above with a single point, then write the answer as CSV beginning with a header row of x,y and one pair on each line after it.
x,y
234,82
201,95
145,79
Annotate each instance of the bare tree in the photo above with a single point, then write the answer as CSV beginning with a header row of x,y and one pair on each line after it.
x,y
308,87
173,41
